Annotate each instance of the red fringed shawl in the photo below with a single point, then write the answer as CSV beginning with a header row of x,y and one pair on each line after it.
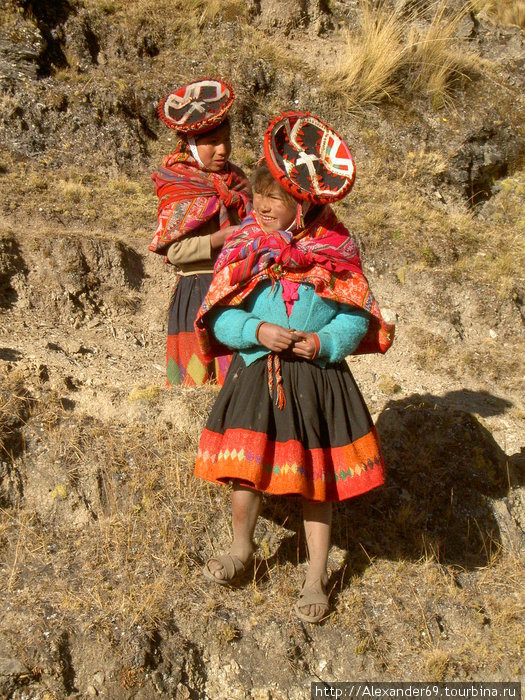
x,y
323,255
189,197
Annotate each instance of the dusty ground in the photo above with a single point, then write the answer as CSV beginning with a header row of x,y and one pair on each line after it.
x,y
100,503
103,529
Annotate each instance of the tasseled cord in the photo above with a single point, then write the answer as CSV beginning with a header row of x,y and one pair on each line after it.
x,y
274,370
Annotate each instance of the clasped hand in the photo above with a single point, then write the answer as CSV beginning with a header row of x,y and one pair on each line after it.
x,y
287,341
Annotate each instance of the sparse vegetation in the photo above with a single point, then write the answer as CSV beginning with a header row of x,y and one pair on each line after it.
x,y
75,198
145,526
370,68
431,347
390,54
436,59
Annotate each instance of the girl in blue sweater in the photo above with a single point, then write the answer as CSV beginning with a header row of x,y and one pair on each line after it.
x,y
289,295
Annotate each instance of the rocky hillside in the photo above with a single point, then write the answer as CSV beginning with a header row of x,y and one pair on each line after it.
x,y
103,529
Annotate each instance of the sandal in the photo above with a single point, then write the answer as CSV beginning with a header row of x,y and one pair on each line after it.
x,y
310,596
233,567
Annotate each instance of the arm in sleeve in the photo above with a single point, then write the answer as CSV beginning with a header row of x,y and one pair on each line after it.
x,y
234,327
343,334
192,249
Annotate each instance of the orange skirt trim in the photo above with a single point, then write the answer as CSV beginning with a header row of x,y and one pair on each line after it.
x,y
287,468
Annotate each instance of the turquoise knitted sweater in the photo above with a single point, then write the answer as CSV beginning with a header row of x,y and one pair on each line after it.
x,y
340,327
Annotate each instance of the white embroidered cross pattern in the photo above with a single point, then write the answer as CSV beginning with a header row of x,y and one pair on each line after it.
x,y
190,97
330,144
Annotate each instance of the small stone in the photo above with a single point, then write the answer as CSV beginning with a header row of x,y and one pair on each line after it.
x,y
389,315
11,667
99,677
73,347
43,373
466,27
158,682
261,694
493,334
182,692
91,690
69,384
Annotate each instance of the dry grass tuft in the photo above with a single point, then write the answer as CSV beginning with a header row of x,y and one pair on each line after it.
x,y
14,409
144,521
437,662
145,393
389,53
209,10
75,198
436,63
388,385
430,347
73,191
126,299
374,55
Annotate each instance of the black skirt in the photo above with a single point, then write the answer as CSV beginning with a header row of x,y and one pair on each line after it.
x,y
321,444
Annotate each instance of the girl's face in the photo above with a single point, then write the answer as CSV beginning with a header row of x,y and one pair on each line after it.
x,y
274,213
215,147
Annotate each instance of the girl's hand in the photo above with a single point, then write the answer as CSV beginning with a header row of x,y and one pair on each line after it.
x,y
217,238
306,345
274,337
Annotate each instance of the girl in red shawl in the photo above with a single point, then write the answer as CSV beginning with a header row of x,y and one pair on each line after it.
x,y
289,295
201,194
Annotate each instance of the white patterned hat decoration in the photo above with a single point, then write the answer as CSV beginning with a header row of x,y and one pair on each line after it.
x,y
196,107
308,158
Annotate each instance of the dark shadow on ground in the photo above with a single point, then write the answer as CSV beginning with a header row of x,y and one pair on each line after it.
x,y
133,265
11,264
443,469
10,354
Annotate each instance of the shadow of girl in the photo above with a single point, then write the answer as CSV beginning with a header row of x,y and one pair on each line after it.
x,y
444,472
446,475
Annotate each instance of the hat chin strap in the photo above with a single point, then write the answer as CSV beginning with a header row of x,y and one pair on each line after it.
x,y
194,150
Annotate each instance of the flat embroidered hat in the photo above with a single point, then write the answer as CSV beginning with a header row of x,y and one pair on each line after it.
x,y
308,158
197,107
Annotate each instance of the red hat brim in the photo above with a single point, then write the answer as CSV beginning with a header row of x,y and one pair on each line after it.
x,y
197,107
308,158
